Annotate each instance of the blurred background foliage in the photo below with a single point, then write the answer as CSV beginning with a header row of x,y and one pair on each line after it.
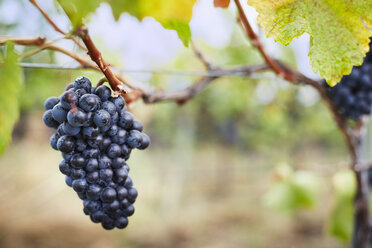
x,y
217,167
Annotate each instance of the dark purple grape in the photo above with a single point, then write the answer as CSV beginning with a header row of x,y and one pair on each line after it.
x,y
102,118
92,165
50,102
109,107
82,83
76,117
118,102
137,125
65,168
103,92
49,120
93,192
89,102
53,141
132,195
59,113
134,139
120,137
68,99
114,150
66,144
125,120
108,195
80,185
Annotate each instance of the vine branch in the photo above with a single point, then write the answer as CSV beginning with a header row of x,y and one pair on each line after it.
x,y
96,56
256,43
54,25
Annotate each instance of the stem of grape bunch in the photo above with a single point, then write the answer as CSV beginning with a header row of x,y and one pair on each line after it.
x,y
134,91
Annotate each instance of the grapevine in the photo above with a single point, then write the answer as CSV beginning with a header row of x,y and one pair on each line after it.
x,y
95,132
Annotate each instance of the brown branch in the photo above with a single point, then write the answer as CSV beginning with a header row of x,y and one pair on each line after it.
x,y
184,95
341,124
38,41
96,56
54,25
201,57
256,43
84,61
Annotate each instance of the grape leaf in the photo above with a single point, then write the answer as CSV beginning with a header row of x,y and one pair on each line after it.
x,y
174,15
294,190
339,36
76,10
221,3
341,218
10,74
183,30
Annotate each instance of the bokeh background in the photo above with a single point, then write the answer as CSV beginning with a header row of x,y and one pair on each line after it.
x,y
206,179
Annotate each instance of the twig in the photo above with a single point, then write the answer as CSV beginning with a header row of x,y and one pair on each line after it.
x,y
234,72
38,41
96,56
84,61
182,96
256,43
54,25
201,57
36,50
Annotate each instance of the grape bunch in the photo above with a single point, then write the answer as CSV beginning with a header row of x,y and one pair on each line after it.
x,y
353,95
96,134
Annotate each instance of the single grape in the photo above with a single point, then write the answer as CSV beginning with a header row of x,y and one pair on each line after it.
x,y
76,117
50,102
49,120
82,83
103,92
66,144
59,113
68,99
89,102
102,118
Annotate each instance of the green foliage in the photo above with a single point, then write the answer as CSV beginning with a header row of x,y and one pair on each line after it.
x,y
341,219
173,15
11,84
292,191
183,30
338,37
76,10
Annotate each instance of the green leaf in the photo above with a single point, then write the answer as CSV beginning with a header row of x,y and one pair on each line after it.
x,y
339,37
183,30
292,191
10,87
341,218
77,10
173,15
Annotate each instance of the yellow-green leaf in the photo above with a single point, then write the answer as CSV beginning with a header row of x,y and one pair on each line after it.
x,y
10,87
174,15
339,37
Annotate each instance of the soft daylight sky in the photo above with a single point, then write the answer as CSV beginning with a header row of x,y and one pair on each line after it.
x,y
141,45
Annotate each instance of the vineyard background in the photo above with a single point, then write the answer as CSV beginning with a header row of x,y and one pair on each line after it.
x,y
203,180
